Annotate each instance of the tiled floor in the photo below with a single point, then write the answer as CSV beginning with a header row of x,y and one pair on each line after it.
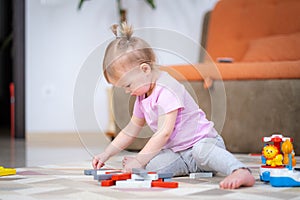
x,y
51,166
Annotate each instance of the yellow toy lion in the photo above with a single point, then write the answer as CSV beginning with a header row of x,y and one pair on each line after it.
x,y
271,153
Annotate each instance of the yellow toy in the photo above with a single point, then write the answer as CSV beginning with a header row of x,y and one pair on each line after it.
x,y
271,153
287,149
7,171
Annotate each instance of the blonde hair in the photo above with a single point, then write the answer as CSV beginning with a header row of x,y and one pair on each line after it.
x,y
125,52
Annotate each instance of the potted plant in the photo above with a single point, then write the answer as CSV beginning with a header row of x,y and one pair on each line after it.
x,y
122,11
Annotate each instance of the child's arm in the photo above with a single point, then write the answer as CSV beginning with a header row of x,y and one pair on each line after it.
x,y
166,125
123,139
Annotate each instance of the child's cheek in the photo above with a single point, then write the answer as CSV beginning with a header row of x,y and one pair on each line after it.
x,y
140,90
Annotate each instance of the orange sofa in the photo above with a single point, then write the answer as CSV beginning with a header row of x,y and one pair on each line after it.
x,y
261,36
261,84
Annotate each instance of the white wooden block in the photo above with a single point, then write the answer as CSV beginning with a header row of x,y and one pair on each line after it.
x,y
146,177
115,171
133,184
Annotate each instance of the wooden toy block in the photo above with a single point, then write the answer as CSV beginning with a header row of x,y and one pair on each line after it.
x,y
144,177
100,171
89,172
139,171
201,175
167,180
109,171
7,171
164,184
118,177
107,183
133,184
100,177
165,175
114,172
137,177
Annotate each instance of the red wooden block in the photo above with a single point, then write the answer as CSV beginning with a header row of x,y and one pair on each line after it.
x,y
118,177
164,184
107,183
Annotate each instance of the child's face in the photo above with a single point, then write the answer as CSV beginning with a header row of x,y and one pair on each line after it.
x,y
136,81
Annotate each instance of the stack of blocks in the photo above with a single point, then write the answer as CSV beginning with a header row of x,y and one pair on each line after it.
x,y
139,178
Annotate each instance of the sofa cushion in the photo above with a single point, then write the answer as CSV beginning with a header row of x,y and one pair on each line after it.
x,y
274,48
233,23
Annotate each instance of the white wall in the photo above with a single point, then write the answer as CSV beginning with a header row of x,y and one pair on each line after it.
x,y
59,39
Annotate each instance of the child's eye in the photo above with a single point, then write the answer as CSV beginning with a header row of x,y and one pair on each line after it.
x,y
128,85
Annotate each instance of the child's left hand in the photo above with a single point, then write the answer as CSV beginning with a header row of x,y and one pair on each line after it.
x,y
130,162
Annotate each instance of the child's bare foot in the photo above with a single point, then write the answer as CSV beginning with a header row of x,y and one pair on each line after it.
x,y
240,177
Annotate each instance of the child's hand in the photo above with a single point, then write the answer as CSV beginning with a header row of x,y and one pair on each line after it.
x,y
99,160
129,163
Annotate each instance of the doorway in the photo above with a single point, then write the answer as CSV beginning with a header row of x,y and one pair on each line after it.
x,y
12,66
6,64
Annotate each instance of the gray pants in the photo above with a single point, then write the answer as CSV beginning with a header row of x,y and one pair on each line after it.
x,y
208,154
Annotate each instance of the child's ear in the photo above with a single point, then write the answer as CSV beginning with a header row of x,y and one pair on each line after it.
x,y
145,67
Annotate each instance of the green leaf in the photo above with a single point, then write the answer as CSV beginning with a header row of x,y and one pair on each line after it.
x,y
80,4
151,3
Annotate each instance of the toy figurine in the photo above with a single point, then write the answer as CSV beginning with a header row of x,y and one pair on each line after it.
x,y
272,155
288,150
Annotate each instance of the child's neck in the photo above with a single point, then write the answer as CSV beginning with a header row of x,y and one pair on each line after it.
x,y
152,86
155,75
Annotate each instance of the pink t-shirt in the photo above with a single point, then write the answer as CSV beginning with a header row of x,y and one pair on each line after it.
x,y
191,122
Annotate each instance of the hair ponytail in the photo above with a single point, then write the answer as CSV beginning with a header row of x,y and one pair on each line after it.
x,y
125,30
125,51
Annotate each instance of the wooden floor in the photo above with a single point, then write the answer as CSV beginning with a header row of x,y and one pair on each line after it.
x,y
50,148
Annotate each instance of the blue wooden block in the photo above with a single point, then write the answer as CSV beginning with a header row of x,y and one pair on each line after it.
x,y
165,175
101,177
140,171
90,172
168,180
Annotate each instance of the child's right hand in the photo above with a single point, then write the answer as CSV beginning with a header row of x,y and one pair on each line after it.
x,y
99,160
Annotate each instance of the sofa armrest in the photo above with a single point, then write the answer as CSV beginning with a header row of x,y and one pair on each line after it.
x,y
236,71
